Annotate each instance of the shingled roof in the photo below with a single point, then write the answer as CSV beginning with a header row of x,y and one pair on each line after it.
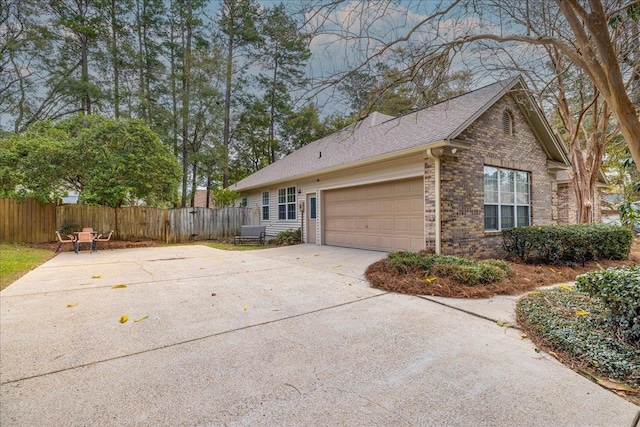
x,y
379,136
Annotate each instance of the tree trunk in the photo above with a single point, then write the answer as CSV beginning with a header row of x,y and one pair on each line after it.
x,y
174,89
194,179
86,99
186,80
208,204
272,114
141,76
114,59
227,115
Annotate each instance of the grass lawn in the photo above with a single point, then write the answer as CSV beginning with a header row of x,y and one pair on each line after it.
x,y
232,247
17,259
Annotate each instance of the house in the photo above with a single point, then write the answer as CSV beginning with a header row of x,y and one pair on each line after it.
x,y
447,178
567,201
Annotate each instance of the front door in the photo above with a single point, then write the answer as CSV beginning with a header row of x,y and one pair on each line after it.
x,y
311,218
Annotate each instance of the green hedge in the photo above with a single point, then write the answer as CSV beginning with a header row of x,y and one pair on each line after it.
x,y
619,289
462,270
568,243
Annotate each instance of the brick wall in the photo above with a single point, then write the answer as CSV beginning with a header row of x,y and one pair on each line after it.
x,y
567,205
462,182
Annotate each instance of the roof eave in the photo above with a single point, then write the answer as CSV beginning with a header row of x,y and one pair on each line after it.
x,y
443,144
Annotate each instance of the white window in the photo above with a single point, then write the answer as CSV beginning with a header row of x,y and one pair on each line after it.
x,y
265,206
287,203
506,198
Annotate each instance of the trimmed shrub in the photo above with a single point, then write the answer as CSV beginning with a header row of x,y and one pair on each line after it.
x,y
619,289
288,238
405,262
568,243
462,270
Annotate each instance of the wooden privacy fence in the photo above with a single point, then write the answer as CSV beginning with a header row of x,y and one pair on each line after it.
x,y
31,221
36,222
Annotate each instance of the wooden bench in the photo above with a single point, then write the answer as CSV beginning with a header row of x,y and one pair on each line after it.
x,y
251,232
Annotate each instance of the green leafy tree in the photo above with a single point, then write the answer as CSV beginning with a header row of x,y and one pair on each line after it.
x,y
110,162
225,197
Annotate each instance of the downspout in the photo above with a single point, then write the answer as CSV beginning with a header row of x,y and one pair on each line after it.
x,y
436,164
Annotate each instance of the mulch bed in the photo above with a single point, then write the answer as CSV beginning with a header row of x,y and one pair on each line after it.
x,y
115,244
525,278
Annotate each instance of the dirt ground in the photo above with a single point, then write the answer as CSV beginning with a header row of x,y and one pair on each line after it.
x,y
526,277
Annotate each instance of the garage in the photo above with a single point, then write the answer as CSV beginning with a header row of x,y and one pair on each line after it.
x,y
386,216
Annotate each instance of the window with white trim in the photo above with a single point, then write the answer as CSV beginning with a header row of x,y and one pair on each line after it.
x,y
506,198
265,206
287,203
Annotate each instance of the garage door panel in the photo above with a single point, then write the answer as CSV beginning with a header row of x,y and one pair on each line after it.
x,y
386,224
416,205
387,216
386,207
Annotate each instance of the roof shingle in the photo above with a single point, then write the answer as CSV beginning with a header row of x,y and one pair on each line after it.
x,y
379,135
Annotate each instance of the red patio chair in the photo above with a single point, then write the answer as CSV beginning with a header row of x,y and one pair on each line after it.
x,y
70,239
101,238
86,237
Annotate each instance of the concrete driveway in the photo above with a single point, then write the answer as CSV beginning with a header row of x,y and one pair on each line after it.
x,y
286,336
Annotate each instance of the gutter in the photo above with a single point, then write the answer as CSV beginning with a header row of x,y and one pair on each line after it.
x,y
436,160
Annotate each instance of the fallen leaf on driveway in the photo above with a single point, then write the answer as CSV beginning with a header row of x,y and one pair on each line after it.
x,y
523,335
141,318
118,286
611,385
337,266
245,308
503,324
73,304
124,318
96,277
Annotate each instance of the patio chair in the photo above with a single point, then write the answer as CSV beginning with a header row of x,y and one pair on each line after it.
x,y
101,238
70,239
86,237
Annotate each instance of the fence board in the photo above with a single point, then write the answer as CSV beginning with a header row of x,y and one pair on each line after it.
x,y
28,221
36,222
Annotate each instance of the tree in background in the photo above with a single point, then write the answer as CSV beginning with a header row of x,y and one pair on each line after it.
x,y
110,162
237,23
282,55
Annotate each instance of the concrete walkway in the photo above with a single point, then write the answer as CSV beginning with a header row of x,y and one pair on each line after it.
x,y
286,336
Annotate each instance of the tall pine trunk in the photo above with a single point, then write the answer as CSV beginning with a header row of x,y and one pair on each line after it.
x,y
227,115
186,84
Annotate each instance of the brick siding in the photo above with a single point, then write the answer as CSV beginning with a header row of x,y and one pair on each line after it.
x,y
462,182
568,207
